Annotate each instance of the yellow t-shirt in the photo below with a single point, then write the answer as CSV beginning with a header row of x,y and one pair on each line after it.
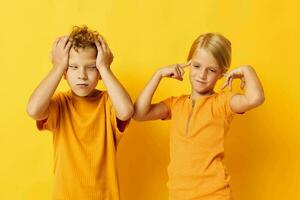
x,y
85,137
197,136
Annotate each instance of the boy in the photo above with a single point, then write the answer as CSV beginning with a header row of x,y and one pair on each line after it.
x,y
87,124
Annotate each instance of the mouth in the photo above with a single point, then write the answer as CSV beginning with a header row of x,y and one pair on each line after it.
x,y
82,85
201,82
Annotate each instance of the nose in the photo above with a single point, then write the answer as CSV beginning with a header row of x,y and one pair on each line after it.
x,y
82,74
202,74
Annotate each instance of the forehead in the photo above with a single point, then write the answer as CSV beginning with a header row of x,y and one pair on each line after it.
x,y
85,55
204,57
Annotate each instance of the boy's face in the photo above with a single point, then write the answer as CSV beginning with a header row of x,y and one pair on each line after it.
x,y
204,72
82,74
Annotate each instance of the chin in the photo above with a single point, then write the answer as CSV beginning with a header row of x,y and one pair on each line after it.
x,y
82,93
202,91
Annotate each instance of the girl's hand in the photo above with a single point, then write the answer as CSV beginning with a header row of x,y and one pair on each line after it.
x,y
175,71
237,73
60,52
104,56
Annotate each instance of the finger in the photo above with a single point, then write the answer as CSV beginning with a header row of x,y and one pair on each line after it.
x,y
55,42
230,84
66,40
174,73
99,47
226,81
184,65
68,46
225,85
243,83
63,41
178,72
181,71
103,43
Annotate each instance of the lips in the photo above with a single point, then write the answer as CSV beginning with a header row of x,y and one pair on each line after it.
x,y
202,82
82,85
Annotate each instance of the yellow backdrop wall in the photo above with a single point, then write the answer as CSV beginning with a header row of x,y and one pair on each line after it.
x,y
263,145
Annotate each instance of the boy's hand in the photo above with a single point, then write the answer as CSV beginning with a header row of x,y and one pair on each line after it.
x,y
60,52
237,73
175,71
104,56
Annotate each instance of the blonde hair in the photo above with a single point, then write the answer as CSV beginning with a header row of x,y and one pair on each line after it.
x,y
217,45
82,37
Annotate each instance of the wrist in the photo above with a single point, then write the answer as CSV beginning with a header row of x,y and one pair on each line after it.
x,y
61,68
158,74
247,68
103,69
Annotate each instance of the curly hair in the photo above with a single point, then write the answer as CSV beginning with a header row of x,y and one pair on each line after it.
x,y
82,37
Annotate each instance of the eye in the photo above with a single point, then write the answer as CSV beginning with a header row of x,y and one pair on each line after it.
x,y
212,70
73,67
91,68
196,66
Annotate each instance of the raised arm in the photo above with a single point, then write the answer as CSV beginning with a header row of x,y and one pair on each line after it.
x,y
254,93
119,97
39,101
144,110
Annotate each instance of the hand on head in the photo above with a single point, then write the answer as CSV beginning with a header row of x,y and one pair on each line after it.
x,y
60,52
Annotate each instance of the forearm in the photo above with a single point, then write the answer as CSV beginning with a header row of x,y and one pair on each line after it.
x,y
253,88
40,98
119,97
143,103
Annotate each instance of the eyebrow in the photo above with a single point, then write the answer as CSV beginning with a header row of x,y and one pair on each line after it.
x,y
196,63
88,65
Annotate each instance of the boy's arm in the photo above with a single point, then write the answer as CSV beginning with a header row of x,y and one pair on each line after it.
x,y
254,93
119,97
39,101
144,110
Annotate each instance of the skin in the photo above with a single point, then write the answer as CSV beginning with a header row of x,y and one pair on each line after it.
x,y
82,70
204,74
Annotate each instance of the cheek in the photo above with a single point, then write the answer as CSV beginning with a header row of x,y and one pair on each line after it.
x,y
94,75
192,72
213,78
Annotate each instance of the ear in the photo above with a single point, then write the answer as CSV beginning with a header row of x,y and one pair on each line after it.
x,y
222,74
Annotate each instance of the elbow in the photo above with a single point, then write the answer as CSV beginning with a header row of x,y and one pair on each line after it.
x,y
258,100
33,112
127,114
137,117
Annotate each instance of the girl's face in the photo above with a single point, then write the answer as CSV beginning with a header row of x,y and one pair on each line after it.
x,y
204,72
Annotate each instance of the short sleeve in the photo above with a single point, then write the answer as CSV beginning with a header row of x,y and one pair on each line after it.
x,y
222,105
118,125
50,123
169,103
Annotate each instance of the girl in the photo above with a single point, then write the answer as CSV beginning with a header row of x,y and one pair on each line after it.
x,y
201,119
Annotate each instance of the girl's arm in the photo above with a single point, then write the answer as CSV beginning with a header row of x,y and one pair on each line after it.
x,y
118,95
39,101
254,93
144,110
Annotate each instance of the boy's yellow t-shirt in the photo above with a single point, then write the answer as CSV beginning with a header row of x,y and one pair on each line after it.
x,y
85,137
197,136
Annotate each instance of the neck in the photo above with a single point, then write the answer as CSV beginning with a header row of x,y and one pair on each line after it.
x,y
195,95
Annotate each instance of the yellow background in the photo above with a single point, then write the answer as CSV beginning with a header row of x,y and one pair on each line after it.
x,y
263,151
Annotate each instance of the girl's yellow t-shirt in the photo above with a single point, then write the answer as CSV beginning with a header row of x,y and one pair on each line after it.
x,y
197,136
85,137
